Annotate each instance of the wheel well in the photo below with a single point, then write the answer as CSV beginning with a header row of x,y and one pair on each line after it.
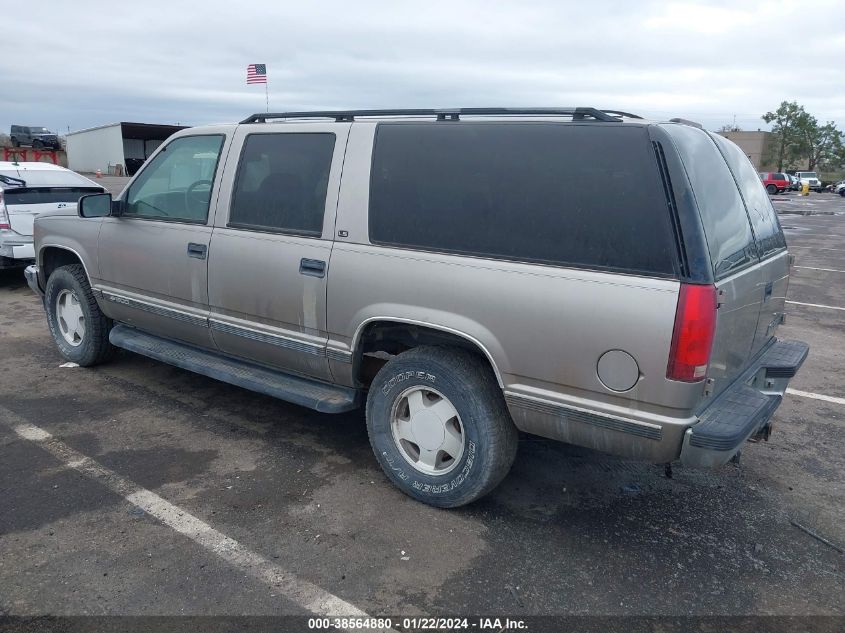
x,y
381,340
54,257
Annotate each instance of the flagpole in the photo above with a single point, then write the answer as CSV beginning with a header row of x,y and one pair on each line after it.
x,y
266,94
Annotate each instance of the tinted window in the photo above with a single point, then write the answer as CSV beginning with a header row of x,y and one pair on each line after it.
x,y
582,195
764,218
282,181
176,184
726,227
48,195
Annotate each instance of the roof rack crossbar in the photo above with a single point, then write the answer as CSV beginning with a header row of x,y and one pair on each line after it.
x,y
443,114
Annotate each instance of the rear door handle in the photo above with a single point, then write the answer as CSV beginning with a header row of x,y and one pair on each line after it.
x,y
312,267
768,292
197,250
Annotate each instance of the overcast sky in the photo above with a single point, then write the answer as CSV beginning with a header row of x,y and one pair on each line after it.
x,y
76,64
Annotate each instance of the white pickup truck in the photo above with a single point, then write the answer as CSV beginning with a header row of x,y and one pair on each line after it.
x,y
27,189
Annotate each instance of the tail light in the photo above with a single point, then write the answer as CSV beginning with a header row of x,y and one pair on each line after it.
x,y
4,214
692,338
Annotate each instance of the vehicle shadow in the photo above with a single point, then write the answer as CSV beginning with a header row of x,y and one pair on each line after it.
x,y
12,278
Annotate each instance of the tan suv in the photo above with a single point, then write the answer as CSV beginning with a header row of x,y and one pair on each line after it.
x,y
440,266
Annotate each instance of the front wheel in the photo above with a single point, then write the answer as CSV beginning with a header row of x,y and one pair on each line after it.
x,y
80,329
439,426
772,189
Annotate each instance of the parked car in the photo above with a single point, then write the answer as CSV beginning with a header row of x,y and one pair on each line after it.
x,y
839,188
34,136
438,267
794,182
810,178
775,182
27,189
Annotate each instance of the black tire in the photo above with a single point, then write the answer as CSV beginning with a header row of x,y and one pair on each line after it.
x,y
842,192
16,142
37,144
772,189
94,347
490,435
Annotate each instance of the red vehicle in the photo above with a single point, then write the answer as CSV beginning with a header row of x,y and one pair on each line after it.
x,y
775,182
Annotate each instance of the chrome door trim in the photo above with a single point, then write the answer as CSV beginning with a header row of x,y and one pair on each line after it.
x,y
270,339
152,308
339,355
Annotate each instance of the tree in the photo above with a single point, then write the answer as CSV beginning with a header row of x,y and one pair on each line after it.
x,y
788,119
821,143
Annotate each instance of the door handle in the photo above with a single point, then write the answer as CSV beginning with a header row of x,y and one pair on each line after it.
x,y
197,250
768,291
312,267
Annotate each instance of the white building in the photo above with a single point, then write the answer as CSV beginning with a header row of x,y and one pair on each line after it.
x,y
115,148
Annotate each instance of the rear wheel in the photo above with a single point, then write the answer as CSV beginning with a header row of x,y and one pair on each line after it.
x,y
16,142
439,426
80,329
772,189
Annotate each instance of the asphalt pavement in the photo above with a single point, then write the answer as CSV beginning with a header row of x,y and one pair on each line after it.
x,y
139,488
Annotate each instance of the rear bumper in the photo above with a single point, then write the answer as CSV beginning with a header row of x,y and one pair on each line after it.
x,y
745,408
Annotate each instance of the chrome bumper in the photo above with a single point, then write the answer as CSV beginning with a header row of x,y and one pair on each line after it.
x,y
31,274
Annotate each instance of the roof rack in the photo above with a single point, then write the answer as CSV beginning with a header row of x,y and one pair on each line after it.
x,y
446,114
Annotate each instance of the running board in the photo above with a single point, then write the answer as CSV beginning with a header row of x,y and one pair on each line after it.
x,y
305,392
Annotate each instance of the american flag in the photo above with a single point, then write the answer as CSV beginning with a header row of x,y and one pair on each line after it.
x,y
256,74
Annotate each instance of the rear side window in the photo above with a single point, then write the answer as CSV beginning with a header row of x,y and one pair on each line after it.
x,y
281,183
579,195
48,195
764,218
726,227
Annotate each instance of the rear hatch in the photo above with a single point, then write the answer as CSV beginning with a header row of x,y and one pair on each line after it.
x,y
32,188
23,204
740,225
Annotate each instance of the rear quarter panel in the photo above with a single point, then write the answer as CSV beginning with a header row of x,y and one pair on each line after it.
x,y
543,327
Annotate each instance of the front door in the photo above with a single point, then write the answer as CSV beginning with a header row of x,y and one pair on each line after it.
x,y
272,243
153,257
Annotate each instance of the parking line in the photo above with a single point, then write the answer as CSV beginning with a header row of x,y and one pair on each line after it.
x,y
827,270
815,396
299,591
817,248
814,305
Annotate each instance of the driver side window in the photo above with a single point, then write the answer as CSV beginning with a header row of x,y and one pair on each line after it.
x,y
176,185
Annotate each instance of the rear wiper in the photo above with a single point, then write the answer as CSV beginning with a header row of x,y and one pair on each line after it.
x,y
11,180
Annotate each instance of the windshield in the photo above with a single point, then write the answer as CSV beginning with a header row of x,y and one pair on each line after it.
x,y
807,174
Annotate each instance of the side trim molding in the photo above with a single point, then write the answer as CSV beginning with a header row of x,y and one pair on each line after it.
x,y
154,309
270,339
339,355
569,414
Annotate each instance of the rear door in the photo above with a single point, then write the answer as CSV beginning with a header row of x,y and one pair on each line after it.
x,y
733,251
269,256
771,244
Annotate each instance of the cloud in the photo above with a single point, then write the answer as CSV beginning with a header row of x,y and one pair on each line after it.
x,y
79,66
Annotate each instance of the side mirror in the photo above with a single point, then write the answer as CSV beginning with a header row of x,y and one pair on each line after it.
x,y
95,205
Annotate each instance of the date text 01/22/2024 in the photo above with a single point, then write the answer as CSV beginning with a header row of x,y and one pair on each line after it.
x,y
416,624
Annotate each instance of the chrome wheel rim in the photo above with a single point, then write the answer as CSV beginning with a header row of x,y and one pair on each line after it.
x,y
70,318
427,430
